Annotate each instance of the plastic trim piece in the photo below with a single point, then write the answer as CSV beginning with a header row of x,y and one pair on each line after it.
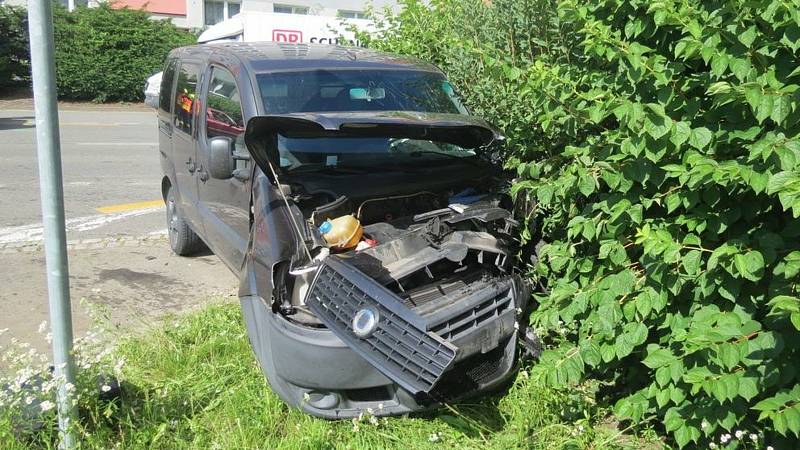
x,y
399,347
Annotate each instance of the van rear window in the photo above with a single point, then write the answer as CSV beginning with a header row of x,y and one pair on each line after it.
x,y
167,79
357,90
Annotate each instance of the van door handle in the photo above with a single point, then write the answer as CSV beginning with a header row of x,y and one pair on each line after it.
x,y
190,165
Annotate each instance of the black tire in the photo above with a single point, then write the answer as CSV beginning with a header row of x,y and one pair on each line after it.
x,y
182,239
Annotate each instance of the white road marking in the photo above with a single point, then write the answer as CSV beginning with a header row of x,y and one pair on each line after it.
x,y
35,232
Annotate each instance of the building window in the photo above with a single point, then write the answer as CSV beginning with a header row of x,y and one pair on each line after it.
x,y
352,14
289,9
218,10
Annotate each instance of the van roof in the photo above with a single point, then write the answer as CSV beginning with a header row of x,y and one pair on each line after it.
x,y
279,56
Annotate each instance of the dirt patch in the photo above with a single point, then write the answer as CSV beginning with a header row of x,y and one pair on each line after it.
x,y
132,287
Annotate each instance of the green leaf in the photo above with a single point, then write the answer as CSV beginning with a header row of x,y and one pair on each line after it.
x,y
753,95
672,202
643,303
748,36
662,397
748,389
795,319
623,347
729,355
658,358
586,184
764,108
780,180
657,125
700,137
680,133
663,376
740,68
638,334
719,63
686,434
793,419
691,262
750,265
780,109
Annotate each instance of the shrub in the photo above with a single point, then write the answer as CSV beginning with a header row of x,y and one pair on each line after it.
x,y
659,143
105,54
14,65
101,54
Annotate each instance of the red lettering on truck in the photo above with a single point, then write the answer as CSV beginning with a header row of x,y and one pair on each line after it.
x,y
291,36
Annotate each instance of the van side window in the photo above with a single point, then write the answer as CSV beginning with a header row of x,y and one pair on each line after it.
x,y
167,80
224,108
185,93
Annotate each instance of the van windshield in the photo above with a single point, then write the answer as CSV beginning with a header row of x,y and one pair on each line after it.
x,y
299,154
353,91
357,90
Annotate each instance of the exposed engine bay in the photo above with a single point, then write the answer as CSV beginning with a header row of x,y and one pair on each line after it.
x,y
392,279
441,261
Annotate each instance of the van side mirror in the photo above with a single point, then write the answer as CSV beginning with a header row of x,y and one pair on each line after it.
x,y
220,158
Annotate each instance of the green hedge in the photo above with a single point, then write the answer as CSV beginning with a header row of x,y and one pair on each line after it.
x,y
102,54
14,65
659,142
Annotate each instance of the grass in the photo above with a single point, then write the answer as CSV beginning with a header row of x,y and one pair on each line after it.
x,y
193,383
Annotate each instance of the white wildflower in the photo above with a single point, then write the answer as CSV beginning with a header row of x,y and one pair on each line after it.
x,y
69,387
753,437
47,405
725,438
380,406
704,424
769,447
105,388
435,437
712,445
28,400
373,420
739,434
42,327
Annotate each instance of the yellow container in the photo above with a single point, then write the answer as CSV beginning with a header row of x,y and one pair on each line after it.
x,y
342,232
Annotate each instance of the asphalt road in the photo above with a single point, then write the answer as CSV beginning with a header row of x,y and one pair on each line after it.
x,y
119,258
109,158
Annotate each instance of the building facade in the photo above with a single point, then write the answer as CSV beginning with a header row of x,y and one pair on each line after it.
x,y
203,13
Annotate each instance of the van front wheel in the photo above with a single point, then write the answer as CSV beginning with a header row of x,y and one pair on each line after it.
x,y
182,239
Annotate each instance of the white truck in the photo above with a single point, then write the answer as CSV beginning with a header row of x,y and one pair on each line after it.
x,y
253,26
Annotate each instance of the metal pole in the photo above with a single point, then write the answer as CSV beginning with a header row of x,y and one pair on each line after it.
x,y
40,25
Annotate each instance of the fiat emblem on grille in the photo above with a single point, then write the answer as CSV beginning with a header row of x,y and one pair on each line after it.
x,y
365,322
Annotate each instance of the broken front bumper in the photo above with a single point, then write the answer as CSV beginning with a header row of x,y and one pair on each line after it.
x,y
407,360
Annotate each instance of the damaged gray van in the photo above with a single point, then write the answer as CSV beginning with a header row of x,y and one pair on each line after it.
x,y
359,204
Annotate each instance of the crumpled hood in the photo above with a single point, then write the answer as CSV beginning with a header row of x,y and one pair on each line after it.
x,y
458,129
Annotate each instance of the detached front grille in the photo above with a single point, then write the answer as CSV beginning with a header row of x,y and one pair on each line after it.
x,y
398,346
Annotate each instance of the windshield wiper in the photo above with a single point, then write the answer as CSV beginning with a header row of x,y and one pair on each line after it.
x,y
323,168
471,159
